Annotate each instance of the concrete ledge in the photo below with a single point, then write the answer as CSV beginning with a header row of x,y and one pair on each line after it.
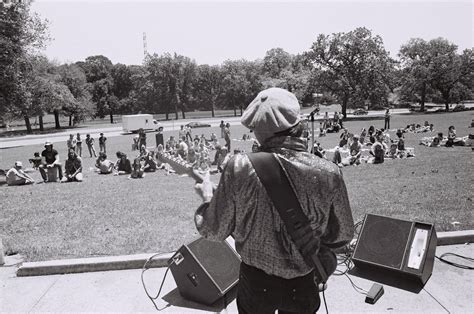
x,y
137,261
92,264
455,237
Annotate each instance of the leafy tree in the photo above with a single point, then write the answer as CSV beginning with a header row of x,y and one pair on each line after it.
x,y
75,79
448,69
276,61
208,87
353,66
98,70
21,34
415,79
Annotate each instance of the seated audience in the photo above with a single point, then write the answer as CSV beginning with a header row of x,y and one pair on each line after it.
x,y
122,165
16,175
137,169
73,167
35,161
50,160
104,165
149,163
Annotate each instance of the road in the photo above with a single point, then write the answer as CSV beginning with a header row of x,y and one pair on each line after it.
x,y
172,125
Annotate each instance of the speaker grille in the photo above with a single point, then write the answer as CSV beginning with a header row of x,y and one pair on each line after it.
x,y
383,241
224,269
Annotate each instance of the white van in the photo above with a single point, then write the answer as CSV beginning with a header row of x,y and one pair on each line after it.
x,y
132,123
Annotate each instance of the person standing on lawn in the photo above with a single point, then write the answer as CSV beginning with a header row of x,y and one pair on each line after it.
x,y
387,119
79,145
141,138
182,133
90,145
102,143
16,176
73,167
227,136
51,160
222,126
159,137
273,273
71,142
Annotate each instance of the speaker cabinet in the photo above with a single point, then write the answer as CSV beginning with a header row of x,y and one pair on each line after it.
x,y
395,252
205,270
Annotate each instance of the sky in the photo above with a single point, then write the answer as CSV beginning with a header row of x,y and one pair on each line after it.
x,y
211,32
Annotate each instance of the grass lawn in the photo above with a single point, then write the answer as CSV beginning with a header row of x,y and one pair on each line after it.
x,y
112,215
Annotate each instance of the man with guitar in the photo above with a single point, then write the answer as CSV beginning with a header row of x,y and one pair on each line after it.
x,y
287,210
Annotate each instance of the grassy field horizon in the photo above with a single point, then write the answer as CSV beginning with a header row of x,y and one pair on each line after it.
x,y
112,215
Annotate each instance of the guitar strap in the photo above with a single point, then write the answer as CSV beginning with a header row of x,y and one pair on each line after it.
x,y
276,182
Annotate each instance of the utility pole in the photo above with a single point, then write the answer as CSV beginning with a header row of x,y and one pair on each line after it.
x,y
145,51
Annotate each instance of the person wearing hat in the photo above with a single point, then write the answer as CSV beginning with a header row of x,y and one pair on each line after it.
x,y
273,273
16,175
50,160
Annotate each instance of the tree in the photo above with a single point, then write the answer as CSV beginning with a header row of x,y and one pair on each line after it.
x,y
98,70
276,60
353,66
415,79
21,35
75,79
447,69
209,86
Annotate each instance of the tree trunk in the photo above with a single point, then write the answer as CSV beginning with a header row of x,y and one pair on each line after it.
x,y
56,119
111,117
241,111
167,115
40,119
423,97
345,100
70,120
446,103
176,106
183,113
28,124
213,114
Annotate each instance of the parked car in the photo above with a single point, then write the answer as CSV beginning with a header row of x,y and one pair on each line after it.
x,y
459,107
359,112
194,125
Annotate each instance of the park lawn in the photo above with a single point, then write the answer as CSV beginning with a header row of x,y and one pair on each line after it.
x,y
112,215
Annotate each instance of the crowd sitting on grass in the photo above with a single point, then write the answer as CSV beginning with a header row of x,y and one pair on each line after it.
x,y
449,141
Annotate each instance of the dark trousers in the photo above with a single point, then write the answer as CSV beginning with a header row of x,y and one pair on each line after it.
x,y
387,124
261,293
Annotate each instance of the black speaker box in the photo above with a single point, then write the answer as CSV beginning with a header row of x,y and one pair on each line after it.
x,y
396,252
205,270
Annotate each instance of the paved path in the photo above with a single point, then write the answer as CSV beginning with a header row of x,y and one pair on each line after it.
x,y
449,290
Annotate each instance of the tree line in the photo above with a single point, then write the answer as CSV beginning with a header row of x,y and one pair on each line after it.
x,y
350,68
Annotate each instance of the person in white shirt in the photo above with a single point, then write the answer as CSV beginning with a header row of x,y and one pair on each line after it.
x,y
16,175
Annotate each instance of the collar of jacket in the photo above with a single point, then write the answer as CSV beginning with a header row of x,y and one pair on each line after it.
x,y
288,142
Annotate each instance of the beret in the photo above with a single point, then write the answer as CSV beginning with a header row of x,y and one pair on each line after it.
x,y
272,111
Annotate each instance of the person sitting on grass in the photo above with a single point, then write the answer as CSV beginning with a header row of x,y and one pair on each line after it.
x,y
363,134
344,138
451,136
149,163
401,140
122,165
104,165
16,175
171,144
137,169
436,142
143,152
191,157
35,161
355,150
378,150
73,167
318,150
182,149
51,160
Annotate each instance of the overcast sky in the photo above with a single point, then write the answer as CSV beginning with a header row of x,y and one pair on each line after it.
x,y
213,31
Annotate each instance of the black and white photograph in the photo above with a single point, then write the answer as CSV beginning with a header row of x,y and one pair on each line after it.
x,y
236,156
